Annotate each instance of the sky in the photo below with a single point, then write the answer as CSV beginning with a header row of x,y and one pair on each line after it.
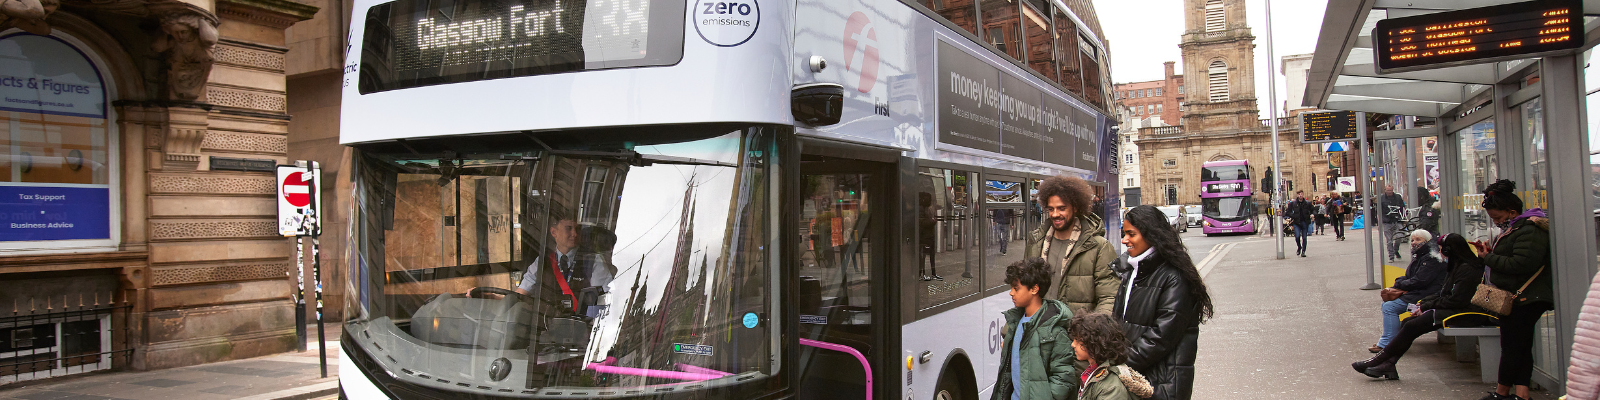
x,y
1145,33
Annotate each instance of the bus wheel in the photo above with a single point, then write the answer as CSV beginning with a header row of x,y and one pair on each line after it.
x,y
948,390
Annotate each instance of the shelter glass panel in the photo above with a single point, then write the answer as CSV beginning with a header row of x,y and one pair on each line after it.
x,y
1478,170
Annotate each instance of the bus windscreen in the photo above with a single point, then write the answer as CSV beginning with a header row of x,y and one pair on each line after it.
x,y
412,43
1225,208
1224,173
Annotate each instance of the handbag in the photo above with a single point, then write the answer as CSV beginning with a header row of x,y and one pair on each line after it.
x,y
1498,300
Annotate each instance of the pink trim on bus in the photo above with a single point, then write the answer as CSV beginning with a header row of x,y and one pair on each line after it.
x,y
847,350
699,370
652,373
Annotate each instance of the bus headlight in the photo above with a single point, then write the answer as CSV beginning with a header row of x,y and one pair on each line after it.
x,y
1206,223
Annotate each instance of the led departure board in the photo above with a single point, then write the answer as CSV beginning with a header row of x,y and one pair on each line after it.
x,y
1478,35
1333,126
411,43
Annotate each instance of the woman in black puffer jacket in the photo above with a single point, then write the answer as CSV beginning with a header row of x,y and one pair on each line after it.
x,y
1162,302
1451,306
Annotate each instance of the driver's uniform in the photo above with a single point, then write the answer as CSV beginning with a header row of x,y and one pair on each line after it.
x,y
562,294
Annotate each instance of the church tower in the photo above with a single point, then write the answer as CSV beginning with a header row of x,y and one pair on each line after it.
x,y
1219,64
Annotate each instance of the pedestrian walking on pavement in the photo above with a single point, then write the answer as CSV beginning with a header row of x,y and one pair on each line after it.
x,y
1162,302
1517,258
1336,213
1097,340
1392,207
1320,215
1423,277
1452,307
1073,242
1036,362
1299,213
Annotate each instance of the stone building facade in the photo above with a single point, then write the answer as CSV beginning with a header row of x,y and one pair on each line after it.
x,y
137,180
1221,120
1159,98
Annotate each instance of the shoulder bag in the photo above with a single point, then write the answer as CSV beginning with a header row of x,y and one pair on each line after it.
x,y
1498,300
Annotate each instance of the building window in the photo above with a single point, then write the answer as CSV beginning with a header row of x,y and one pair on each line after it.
x,y
1158,92
1160,108
1216,21
1128,158
1130,183
1218,85
1180,89
1150,109
59,176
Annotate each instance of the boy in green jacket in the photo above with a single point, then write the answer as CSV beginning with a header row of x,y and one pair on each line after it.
x,y
1036,363
1098,340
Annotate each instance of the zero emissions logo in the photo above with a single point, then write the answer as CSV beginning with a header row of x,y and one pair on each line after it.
x,y
868,47
727,23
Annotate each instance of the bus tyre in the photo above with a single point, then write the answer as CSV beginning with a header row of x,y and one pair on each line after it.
x,y
949,389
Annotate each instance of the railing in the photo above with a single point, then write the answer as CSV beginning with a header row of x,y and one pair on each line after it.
x,y
55,336
1161,131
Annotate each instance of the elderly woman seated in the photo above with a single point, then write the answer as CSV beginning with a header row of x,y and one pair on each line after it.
x,y
1423,277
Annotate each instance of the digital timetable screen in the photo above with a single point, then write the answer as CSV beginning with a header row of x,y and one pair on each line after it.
x,y
1478,35
411,43
1334,126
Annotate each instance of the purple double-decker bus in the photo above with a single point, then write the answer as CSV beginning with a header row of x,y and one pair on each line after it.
x,y
1226,205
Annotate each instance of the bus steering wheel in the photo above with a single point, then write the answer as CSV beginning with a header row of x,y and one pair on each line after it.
x,y
477,293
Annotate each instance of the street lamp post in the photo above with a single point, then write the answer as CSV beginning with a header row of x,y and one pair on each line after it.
x,y
1272,103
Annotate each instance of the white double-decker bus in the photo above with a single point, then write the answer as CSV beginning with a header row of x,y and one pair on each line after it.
x,y
703,199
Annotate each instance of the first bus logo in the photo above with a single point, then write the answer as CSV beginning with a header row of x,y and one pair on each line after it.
x,y
859,37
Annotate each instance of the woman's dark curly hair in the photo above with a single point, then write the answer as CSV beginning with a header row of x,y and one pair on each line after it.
x,y
1502,195
1153,225
1073,191
1101,336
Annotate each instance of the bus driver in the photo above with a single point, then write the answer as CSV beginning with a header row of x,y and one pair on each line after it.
x,y
565,274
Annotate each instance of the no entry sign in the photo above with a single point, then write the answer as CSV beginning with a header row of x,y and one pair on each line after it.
x,y
298,210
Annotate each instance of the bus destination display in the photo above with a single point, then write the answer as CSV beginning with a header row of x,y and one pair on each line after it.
x,y
1335,126
410,43
1478,35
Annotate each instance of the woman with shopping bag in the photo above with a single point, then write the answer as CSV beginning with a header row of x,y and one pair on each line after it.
x,y
1516,284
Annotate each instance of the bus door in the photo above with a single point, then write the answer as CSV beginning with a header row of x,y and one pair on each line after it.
x,y
845,206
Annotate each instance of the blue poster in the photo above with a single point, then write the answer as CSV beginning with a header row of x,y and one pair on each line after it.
x,y
54,213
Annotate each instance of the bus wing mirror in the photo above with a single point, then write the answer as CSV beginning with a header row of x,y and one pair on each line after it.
x,y
817,104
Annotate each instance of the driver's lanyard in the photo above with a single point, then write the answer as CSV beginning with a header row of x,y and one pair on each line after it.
x,y
562,280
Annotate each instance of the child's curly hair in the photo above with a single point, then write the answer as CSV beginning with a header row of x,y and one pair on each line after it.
x,y
1101,336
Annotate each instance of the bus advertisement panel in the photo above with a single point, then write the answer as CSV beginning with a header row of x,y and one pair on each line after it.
x,y
1226,199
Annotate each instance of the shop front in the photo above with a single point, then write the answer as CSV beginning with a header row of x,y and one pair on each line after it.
x,y
131,233
1452,130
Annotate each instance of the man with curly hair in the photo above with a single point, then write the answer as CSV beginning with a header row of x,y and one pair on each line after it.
x,y
1072,241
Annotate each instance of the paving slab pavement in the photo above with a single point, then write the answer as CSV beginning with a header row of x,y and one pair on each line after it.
x,y
1290,328
287,376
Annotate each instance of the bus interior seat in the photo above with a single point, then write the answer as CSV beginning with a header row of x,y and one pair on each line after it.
x,y
464,322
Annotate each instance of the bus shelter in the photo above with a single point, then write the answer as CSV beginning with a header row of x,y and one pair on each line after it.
x,y
1458,128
